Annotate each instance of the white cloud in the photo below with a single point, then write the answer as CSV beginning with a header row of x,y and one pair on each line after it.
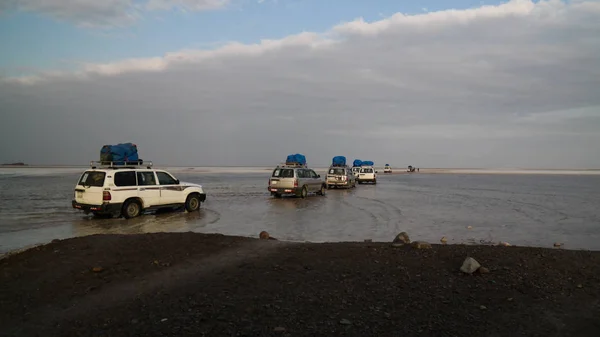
x,y
515,83
105,13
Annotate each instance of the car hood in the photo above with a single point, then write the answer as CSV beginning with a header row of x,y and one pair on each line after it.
x,y
185,183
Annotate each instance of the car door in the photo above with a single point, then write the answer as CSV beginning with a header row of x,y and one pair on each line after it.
x,y
148,189
315,181
170,191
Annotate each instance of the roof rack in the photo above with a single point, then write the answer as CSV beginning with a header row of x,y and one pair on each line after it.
x,y
120,164
294,165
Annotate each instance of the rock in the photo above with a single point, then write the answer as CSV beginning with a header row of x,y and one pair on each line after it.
x,y
164,319
368,240
443,240
469,266
97,269
397,245
345,322
483,270
469,227
557,244
482,307
134,321
421,245
279,329
263,235
580,286
510,299
505,244
402,238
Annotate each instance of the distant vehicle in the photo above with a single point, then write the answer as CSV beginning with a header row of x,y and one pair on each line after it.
x,y
387,169
128,190
367,174
340,177
295,179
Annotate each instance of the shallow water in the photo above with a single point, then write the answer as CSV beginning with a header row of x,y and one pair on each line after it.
x,y
532,210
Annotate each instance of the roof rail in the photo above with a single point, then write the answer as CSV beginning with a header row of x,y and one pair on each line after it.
x,y
294,165
120,164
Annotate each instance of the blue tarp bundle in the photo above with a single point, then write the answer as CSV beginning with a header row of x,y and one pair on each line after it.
x,y
296,159
338,161
367,163
119,154
357,162
387,164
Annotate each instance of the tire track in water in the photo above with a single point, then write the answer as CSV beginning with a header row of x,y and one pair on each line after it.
x,y
394,213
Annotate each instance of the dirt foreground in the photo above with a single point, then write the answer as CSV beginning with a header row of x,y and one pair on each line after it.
x,y
186,284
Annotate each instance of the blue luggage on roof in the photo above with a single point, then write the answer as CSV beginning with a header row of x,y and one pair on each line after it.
x,y
357,162
296,159
367,163
120,154
339,161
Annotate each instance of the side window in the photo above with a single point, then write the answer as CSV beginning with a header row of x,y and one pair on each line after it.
x,y
301,173
146,178
165,179
126,178
313,174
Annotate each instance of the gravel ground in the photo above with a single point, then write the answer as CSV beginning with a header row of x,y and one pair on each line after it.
x,y
188,284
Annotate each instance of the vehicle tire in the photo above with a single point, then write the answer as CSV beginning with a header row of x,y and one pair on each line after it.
x,y
277,195
131,209
375,182
322,191
304,192
192,203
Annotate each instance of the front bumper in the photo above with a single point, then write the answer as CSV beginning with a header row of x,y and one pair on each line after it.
x,y
103,208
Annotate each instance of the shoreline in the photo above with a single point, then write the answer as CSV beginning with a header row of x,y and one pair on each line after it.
x,y
395,171
191,283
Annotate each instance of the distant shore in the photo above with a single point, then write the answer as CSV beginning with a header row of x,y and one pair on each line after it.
x,y
194,284
395,171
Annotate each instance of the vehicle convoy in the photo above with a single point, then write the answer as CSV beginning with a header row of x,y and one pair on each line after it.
x,y
387,168
129,190
367,173
295,178
120,185
339,174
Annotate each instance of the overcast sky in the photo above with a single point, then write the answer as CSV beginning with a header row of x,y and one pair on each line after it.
x,y
503,85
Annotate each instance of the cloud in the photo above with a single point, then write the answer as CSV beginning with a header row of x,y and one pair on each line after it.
x,y
105,13
510,85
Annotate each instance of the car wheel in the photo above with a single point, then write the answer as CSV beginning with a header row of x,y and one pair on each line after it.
x,y
375,182
131,209
322,191
277,195
192,203
304,192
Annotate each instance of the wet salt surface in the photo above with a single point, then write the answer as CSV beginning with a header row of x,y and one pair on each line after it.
x,y
531,210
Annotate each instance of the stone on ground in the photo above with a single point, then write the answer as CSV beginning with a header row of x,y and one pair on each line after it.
x,y
469,266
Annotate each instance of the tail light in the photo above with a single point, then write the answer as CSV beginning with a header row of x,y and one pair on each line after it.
x,y
106,196
269,182
295,182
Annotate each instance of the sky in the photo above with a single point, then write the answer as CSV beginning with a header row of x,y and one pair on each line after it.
x,y
452,83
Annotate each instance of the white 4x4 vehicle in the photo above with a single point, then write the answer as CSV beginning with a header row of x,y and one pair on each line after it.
x,y
129,190
367,174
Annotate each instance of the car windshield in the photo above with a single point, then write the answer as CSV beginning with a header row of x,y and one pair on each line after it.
x,y
92,178
338,171
283,173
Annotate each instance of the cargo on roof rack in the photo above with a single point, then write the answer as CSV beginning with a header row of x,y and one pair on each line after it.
x,y
120,165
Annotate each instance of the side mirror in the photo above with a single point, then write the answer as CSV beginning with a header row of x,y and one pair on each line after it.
x,y
376,171
318,176
177,181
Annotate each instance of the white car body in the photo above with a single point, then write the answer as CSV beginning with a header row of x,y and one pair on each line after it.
x,y
111,190
367,174
387,169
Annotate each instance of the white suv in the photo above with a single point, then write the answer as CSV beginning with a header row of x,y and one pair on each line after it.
x,y
367,174
129,190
